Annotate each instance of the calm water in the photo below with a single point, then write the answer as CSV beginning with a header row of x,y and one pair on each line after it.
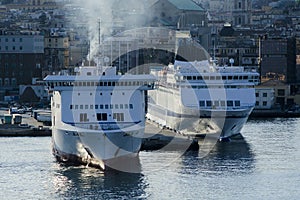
x,y
265,165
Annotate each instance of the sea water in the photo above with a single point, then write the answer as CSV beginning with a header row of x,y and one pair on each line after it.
x,y
263,165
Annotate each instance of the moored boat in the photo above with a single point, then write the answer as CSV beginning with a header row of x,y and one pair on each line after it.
x,y
198,99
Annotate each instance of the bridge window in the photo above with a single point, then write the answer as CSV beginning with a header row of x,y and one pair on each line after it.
x,y
237,103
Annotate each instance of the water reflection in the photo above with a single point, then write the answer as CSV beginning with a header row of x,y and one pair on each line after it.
x,y
80,182
228,158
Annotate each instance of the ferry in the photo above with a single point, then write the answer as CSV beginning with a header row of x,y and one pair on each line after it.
x,y
200,99
97,115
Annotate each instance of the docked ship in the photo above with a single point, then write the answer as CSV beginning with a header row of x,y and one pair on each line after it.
x,y
199,98
98,116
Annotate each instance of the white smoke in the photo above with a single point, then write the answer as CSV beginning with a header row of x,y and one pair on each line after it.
x,y
95,13
91,12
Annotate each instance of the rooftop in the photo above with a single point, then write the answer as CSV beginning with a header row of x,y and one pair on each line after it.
x,y
186,5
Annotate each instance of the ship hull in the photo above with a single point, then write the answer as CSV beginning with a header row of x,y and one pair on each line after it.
x,y
199,123
96,148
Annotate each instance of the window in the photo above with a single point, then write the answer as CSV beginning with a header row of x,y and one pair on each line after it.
x,y
265,103
121,106
83,117
71,107
257,103
230,103
265,94
116,106
216,103
281,92
256,94
131,106
91,106
101,106
102,116
223,103
202,103
86,107
208,103
237,103
81,107
118,117
96,106
106,106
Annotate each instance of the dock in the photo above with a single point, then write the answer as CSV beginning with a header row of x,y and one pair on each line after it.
x,y
25,126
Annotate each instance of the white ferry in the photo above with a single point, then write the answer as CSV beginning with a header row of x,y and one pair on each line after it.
x,y
97,115
198,99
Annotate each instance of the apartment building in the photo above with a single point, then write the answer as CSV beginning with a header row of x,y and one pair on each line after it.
x,y
21,59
